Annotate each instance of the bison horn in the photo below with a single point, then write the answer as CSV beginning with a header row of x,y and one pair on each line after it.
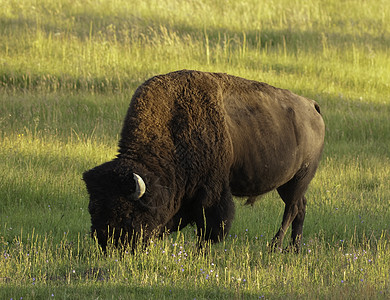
x,y
140,187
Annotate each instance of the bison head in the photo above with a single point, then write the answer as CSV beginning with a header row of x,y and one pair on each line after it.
x,y
121,204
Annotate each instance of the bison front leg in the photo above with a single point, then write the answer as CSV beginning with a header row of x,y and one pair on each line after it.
x,y
215,221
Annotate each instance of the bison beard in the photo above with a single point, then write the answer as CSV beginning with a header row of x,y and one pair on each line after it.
x,y
190,141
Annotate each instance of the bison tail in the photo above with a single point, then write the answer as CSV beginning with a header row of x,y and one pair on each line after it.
x,y
317,107
250,201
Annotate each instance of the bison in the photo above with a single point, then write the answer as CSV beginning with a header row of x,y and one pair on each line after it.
x,y
190,141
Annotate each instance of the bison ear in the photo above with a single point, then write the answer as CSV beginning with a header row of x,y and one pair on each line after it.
x,y
140,187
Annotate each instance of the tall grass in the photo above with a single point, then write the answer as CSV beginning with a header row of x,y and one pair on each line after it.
x,y
171,268
67,73
101,46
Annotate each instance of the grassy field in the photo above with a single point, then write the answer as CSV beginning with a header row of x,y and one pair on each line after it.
x,y
68,69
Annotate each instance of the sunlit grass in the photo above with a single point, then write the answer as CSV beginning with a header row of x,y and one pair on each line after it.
x,y
53,45
67,73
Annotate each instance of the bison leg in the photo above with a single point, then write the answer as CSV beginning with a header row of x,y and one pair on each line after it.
x,y
214,222
292,194
297,225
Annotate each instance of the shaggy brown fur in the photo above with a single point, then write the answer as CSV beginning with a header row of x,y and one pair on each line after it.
x,y
198,138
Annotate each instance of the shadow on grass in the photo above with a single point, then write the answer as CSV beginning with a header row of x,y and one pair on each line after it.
x,y
126,291
134,291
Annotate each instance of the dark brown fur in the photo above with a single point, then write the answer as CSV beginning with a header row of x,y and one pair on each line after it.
x,y
197,139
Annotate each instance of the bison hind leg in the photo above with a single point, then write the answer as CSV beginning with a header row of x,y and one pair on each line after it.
x,y
293,195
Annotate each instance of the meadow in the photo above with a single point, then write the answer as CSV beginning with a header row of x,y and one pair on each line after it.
x,y
68,69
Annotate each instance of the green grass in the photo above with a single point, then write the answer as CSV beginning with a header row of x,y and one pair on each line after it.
x,y
67,73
